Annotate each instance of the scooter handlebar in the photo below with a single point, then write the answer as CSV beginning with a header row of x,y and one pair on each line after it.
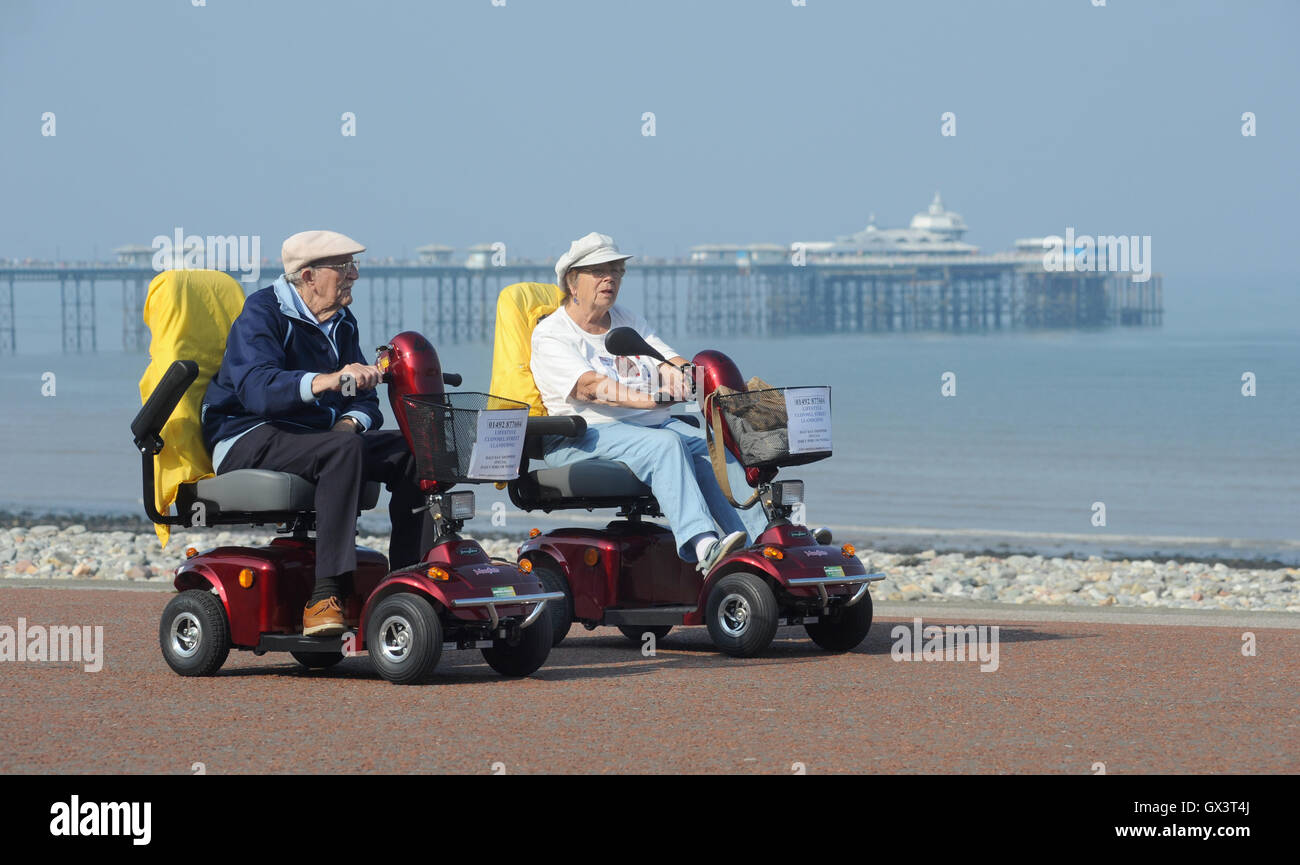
x,y
565,425
451,378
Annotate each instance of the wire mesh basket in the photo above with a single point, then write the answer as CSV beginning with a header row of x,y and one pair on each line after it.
x,y
445,430
761,426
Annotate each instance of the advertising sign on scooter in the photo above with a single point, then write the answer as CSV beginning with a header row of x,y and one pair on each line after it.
x,y
498,445
809,412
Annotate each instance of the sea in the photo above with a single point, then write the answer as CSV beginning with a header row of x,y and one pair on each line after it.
x,y
1171,441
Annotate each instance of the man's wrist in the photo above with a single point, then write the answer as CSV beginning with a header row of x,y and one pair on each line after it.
x,y
307,386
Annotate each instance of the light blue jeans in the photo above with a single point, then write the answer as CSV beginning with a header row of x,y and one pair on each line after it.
x,y
673,460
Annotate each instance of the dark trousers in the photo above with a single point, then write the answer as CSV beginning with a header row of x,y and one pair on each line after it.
x,y
338,463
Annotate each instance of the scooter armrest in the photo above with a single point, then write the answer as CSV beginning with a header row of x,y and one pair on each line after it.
x,y
153,415
571,426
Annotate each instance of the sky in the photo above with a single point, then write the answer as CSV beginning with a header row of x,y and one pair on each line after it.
x,y
523,123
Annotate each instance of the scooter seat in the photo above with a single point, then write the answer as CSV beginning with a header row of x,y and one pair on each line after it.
x,y
258,490
589,479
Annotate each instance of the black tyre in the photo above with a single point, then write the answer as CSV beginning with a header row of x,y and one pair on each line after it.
x,y
194,633
636,633
527,653
844,629
741,614
561,612
317,660
404,637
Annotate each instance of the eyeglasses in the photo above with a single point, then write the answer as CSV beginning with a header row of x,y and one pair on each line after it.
x,y
343,268
600,271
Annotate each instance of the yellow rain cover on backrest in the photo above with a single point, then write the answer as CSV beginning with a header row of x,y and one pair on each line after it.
x,y
519,308
189,314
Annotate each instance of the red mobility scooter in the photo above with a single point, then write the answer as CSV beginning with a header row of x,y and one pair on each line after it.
x,y
629,574
456,598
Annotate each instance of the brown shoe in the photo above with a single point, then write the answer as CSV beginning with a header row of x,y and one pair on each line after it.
x,y
322,619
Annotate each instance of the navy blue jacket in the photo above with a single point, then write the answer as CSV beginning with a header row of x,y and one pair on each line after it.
x,y
271,347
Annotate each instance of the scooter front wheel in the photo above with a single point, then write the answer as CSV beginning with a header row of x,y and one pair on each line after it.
x,y
742,615
526,656
844,629
405,638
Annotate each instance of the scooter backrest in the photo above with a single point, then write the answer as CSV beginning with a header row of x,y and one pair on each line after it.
x,y
519,307
189,314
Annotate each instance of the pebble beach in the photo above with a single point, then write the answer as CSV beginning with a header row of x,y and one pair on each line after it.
x,y
73,551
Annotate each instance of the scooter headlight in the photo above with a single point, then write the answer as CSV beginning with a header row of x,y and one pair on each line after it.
x,y
462,505
787,493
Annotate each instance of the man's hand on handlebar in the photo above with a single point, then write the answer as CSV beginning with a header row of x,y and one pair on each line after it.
x,y
364,376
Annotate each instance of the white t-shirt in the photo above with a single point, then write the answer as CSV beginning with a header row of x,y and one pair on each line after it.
x,y
563,352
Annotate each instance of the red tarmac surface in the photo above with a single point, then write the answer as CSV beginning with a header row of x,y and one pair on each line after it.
x,y
1139,698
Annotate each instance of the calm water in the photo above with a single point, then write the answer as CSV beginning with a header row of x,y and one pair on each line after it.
x,y
1150,422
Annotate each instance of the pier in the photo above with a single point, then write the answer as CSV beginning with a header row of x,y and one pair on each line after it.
x,y
458,304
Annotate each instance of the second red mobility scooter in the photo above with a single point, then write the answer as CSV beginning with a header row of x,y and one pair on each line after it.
x,y
252,598
629,575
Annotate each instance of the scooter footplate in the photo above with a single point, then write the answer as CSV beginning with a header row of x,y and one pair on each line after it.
x,y
648,616
299,643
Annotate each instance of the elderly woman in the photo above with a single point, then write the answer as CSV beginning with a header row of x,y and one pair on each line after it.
x,y
625,402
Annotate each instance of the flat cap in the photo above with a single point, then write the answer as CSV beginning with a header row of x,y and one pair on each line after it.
x,y
307,246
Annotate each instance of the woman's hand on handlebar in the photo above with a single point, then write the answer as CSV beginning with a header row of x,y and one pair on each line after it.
x,y
673,383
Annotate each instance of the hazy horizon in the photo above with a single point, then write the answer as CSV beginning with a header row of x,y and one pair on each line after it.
x,y
523,124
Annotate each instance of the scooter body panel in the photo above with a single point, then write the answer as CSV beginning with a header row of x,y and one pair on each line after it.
x,y
472,575
636,566
284,573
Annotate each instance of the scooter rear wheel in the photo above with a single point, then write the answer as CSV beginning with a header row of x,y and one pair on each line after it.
x,y
742,615
404,637
636,633
844,629
194,634
317,660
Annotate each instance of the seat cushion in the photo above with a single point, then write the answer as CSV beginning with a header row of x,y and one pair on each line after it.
x,y
589,479
252,490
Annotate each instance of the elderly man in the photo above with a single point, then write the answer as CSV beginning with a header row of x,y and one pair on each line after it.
x,y
294,394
